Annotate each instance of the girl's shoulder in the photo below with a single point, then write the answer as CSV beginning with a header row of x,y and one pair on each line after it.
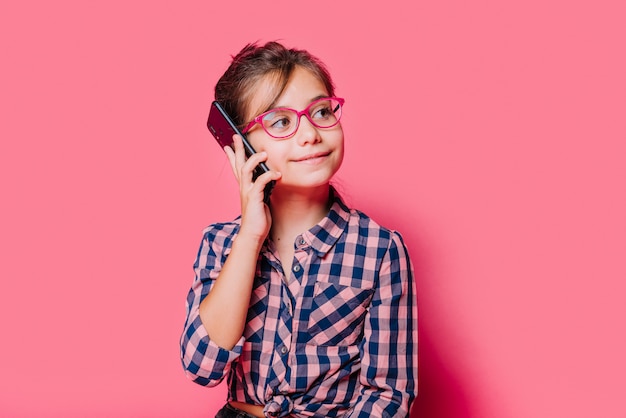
x,y
365,226
222,233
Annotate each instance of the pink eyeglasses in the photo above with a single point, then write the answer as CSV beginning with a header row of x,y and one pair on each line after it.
x,y
282,122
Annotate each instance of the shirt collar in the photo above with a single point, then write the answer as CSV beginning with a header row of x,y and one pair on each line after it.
x,y
323,236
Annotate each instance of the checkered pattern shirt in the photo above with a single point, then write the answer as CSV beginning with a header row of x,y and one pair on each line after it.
x,y
336,337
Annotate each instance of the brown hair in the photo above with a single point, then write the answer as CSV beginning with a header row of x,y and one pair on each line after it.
x,y
236,86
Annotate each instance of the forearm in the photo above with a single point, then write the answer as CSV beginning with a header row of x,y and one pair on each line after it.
x,y
224,310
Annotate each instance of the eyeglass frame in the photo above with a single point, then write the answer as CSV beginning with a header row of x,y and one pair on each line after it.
x,y
299,114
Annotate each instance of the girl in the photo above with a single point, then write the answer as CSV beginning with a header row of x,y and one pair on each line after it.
x,y
307,306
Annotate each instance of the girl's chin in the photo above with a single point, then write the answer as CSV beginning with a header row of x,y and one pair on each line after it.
x,y
301,187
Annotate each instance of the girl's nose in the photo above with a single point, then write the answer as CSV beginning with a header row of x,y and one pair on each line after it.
x,y
307,133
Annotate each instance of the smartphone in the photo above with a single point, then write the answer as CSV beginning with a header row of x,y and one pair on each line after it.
x,y
223,128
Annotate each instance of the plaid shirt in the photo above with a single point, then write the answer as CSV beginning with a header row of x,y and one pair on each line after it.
x,y
337,337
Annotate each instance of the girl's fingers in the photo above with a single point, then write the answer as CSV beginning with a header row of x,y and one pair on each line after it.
x,y
231,159
240,154
247,171
236,156
255,160
265,178
243,167
257,188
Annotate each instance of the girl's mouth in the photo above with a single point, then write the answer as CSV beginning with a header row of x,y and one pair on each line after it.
x,y
313,158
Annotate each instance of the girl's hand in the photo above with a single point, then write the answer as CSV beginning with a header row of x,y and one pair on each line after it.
x,y
256,218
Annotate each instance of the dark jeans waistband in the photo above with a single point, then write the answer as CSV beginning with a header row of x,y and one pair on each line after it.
x,y
229,411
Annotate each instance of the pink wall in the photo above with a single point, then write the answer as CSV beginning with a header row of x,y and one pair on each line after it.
x,y
500,157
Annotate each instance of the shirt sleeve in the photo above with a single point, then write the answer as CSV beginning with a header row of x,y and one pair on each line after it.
x,y
389,347
204,361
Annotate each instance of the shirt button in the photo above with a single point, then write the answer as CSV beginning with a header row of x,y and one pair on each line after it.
x,y
296,268
283,350
301,241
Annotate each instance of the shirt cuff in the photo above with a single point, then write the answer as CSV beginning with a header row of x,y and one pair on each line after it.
x,y
206,362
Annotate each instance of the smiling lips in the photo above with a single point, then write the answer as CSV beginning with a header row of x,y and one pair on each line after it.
x,y
312,158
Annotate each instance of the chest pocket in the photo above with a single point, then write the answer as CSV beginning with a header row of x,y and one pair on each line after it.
x,y
337,314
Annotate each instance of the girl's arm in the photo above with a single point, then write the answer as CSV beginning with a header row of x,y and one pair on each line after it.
x,y
204,361
224,310
219,298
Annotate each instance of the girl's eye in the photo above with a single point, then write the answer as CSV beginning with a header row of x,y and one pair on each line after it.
x,y
281,123
277,121
324,111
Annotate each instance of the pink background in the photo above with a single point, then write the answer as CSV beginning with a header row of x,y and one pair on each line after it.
x,y
499,156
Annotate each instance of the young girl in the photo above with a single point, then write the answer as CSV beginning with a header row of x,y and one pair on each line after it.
x,y
306,305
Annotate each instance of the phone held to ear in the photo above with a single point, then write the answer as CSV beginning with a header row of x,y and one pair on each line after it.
x,y
223,128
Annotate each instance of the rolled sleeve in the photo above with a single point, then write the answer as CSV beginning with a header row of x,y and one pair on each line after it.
x,y
203,360
389,348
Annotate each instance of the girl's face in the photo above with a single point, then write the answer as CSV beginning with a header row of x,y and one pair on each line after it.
x,y
312,155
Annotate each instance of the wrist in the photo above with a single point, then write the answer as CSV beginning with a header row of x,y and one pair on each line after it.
x,y
249,240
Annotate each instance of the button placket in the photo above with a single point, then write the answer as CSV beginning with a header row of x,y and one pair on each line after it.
x,y
289,309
